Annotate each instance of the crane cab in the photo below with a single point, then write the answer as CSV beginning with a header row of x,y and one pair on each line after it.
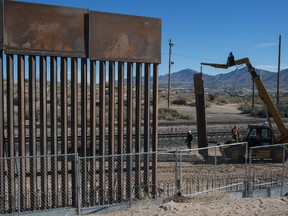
x,y
258,135
262,135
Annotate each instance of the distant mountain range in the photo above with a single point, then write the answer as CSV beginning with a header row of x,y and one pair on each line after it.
x,y
238,81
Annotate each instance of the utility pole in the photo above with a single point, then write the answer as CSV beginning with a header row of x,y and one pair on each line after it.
x,y
278,77
171,44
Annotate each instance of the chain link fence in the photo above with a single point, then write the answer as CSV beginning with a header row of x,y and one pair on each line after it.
x,y
37,183
218,167
268,170
107,180
79,184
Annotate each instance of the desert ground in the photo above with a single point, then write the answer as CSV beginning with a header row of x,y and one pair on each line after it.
x,y
217,203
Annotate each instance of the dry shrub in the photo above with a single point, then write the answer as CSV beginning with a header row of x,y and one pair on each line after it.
x,y
171,114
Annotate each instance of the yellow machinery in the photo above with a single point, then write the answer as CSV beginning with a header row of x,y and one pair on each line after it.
x,y
258,135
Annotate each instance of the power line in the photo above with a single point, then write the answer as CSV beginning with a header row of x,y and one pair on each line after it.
x,y
199,58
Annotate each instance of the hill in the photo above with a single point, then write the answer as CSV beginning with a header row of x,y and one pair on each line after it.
x,y
238,80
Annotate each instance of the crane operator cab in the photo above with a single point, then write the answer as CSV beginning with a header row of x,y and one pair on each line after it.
x,y
258,135
262,135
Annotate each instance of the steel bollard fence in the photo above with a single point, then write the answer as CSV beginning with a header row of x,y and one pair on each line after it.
x,y
33,185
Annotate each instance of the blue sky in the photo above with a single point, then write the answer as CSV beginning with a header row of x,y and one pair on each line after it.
x,y
207,30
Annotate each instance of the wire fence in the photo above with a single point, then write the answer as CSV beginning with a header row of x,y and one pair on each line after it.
x,y
37,183
70,182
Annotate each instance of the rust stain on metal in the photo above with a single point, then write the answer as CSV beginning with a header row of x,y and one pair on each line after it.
x,y
198,84
1,24
116,37
201,115
48,30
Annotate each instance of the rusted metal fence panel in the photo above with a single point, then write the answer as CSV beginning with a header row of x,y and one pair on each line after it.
x,y
2,144
1,24
128,38
46,30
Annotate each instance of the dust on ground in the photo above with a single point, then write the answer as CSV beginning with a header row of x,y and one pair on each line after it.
x,y
205,205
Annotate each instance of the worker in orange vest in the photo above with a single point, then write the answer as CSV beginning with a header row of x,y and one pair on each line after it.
x,y
235,134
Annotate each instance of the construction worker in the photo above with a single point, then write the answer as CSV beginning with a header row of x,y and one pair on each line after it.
x,y
189,139
235,134
230,60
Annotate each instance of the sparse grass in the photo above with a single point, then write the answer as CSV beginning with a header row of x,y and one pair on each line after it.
x,y
172,114
210,196
179,101
226,99
253,111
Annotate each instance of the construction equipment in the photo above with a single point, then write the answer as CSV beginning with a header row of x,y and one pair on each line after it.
x,y
258,135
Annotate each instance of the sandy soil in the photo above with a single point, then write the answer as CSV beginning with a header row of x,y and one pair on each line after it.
x,y
219,204
227,112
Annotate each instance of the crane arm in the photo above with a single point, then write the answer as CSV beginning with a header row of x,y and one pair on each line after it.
x,y
263,94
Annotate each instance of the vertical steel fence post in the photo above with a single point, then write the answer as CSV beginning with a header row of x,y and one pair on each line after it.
x,y
120,131
2,167
93,132
246,180
129,130
215,169
54,135
10,131
180,170
19,186
176,171
74,122
283,161
130,171
111,146
138,121
21,124
43,131
249,173
146,127
78,183
155,129
102,130
64,130
84,127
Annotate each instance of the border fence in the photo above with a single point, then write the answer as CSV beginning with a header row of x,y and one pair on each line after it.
x,y
79,116
189,172
74,81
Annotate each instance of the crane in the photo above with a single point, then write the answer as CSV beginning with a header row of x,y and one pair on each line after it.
x,y
262,92
276,153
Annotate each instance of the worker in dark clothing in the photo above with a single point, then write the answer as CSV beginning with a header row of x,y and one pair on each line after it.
x,y
235,134
189,139
230,60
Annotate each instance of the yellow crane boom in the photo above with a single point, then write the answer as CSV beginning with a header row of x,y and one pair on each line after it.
x,y
263,94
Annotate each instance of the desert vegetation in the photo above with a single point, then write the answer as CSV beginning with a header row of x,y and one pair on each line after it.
x,y
181,100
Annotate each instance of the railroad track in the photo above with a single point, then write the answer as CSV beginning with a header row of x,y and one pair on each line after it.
x,y
214,122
